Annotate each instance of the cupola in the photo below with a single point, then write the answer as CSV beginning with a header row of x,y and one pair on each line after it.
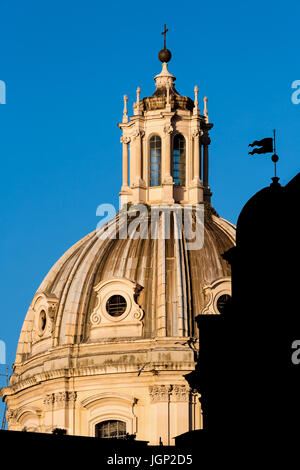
x,y
165,145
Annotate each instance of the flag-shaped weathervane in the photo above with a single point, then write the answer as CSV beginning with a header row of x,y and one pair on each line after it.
x,y
266,145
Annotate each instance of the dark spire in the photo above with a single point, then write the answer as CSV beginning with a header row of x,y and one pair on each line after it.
x,y
164,54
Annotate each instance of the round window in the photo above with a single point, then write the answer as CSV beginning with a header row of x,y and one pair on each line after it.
x,y
116,305
222,302
42,320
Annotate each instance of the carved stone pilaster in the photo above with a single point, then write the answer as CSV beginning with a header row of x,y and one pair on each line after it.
x,y
125,141
167,177
197,133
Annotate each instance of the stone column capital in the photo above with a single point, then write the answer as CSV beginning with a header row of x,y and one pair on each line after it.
x,y
125,140
138,133
59,400
181,393
11,416
205,139
159,393
197,133
48,401
168,129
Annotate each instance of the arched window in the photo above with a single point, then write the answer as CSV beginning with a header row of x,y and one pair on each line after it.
x,y
179,160
155,160
110,429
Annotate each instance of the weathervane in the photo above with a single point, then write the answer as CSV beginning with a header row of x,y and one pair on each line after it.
x,y
267,145
275,157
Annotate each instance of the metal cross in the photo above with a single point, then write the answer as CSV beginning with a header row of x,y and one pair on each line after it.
x,y
165,34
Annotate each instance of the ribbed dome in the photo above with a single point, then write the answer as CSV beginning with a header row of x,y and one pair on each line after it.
x,y
169,278
110,334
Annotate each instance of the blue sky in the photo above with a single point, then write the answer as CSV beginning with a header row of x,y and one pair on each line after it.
x,y
67,64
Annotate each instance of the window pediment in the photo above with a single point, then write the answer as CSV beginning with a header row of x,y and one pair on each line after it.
x,y
44,309
117,313
215,291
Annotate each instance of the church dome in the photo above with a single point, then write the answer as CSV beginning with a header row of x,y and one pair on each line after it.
x,y
261,209
163,284
110,333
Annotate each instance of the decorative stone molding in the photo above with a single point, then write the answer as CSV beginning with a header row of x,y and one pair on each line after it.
x,y
110,405
48,401
59,400
93,401
138,133
44,307
11,417
181,393
213,291
160,393
168,129
174,393
164,78
66,373
72,397
125,140
205,139
24,417
197,133
129,323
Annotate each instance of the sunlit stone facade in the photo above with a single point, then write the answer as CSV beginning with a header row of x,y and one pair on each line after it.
x,y
110,332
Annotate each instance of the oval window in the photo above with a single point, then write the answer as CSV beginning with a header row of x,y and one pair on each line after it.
x,y
116,305
42,320
223,302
